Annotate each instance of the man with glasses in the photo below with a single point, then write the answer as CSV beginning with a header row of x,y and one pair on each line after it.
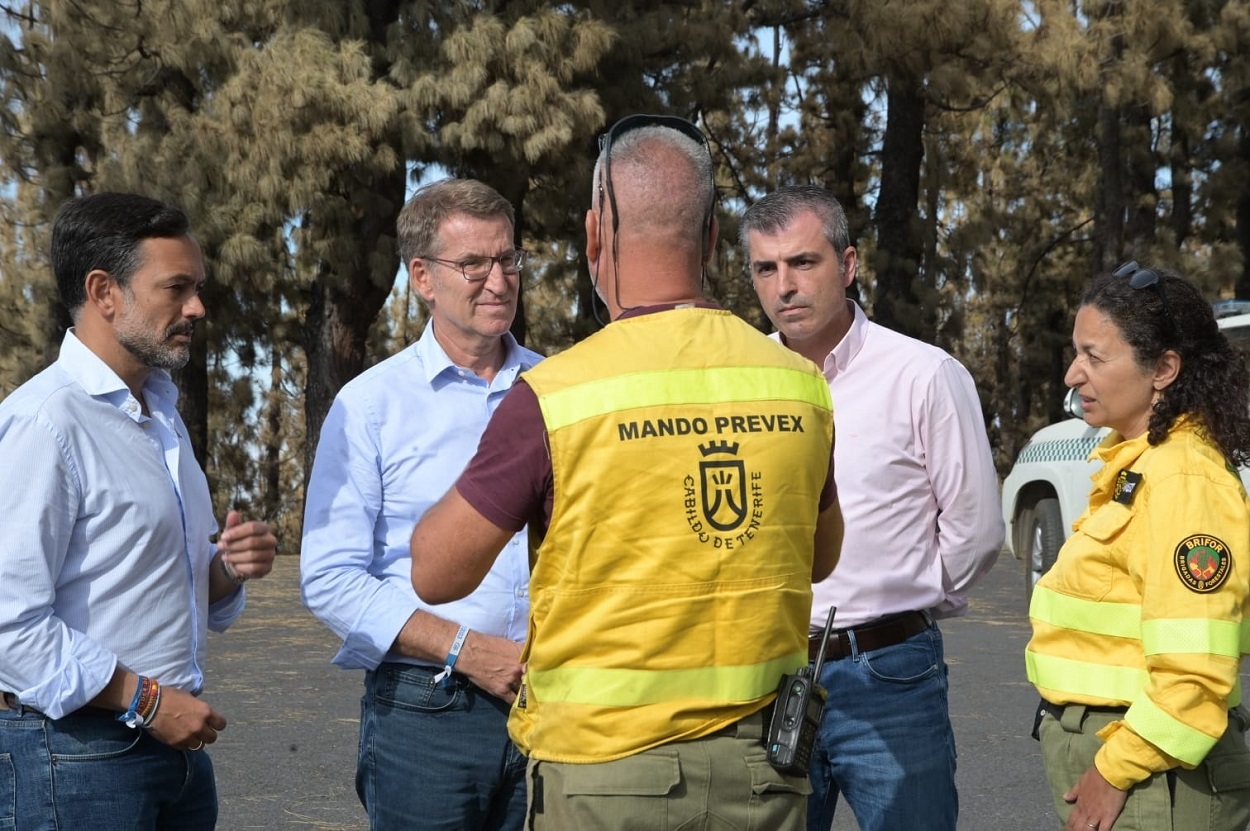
x,y
678,464
920,496
434,749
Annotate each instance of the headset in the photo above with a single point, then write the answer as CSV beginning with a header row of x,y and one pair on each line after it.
x,y
628,124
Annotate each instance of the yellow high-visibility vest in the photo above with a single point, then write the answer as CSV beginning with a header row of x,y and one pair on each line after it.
x,y
673,587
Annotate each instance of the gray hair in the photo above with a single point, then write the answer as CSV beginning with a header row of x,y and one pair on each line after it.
x,y
681,200
423,215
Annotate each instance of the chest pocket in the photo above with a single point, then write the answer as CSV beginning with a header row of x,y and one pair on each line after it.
x,y
1093,552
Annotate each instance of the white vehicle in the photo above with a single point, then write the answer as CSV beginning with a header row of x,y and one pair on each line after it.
x,y
1048,486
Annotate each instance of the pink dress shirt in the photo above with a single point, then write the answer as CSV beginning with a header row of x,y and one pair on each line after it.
x,y
917,485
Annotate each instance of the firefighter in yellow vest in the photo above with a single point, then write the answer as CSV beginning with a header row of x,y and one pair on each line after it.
x,y
678,466
1140,627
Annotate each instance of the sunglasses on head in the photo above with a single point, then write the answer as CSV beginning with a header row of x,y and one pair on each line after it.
x,y
636,122
1147,278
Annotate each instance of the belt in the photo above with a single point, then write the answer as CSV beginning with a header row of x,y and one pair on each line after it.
x,y
1057,710
1070,716
8,701
880,633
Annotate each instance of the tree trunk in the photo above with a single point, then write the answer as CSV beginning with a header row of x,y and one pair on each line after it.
x,y
1243,214
342,306
897,262
192,381
1142,197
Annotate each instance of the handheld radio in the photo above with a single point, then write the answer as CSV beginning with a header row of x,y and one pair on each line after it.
x,y
796,713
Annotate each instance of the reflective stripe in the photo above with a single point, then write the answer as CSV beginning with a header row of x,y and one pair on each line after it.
x,y
1192,637
1169,735
1099,617
614,687
682,386
1097,681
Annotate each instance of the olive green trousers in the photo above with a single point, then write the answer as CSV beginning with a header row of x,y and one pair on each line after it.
x,y
1215,796
722,782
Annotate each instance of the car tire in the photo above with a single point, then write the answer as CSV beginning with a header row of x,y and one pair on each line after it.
x,y
1040,526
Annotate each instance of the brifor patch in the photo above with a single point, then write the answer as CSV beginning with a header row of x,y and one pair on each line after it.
x,y
1203,562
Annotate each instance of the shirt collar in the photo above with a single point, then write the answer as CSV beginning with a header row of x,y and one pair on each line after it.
x,y
850,345
639,311
1118,453
434,360
97,379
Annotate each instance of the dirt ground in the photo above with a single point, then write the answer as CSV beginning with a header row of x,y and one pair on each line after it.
x,y
287,759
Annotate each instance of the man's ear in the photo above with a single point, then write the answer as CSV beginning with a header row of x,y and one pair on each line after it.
x,y
592,237
1167,369
850,266
421,278
713,232
101,295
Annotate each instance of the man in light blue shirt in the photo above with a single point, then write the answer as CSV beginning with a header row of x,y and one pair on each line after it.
x,y
108,579
434,747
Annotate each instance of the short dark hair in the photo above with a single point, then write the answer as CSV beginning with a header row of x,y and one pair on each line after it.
x,y
781,207
1213,386
104,231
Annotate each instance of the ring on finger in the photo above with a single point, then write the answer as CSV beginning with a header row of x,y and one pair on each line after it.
x,y
198,746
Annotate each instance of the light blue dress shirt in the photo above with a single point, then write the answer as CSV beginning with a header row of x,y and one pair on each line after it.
x,y
105,519
393,443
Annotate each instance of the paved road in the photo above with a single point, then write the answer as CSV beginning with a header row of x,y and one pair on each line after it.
x,y
287,760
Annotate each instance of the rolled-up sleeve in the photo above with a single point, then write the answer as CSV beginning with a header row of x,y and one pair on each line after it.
x,y
337,551
46,663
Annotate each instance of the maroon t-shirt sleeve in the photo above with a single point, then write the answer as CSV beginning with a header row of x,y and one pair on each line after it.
x,y
508,480
830,491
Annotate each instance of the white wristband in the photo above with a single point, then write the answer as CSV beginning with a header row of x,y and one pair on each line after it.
x,y
452,655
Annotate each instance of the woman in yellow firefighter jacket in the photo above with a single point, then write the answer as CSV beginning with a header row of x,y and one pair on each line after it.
x,y
1139,629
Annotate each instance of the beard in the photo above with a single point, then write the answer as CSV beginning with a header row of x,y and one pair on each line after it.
x,y
152,351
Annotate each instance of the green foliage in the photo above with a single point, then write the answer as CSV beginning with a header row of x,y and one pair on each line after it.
x,y
991,155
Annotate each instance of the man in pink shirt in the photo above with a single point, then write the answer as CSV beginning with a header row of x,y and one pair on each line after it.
x,y
919,497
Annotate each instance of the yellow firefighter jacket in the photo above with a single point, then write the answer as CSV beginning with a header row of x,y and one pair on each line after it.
x,y
1145,607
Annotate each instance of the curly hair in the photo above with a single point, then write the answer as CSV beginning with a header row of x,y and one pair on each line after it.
x,y
1213,386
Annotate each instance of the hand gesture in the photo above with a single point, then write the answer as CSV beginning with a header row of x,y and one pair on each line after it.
x,y
247,549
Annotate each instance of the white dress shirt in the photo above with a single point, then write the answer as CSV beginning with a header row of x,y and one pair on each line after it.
x,y
105,520
393,443
916,482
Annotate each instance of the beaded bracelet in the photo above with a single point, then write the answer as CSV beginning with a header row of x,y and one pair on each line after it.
x,y
143,704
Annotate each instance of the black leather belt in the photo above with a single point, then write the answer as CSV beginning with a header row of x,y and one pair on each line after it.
x,y
875,635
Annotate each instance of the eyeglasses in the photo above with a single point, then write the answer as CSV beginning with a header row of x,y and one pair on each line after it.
x,y
478,267
1147,278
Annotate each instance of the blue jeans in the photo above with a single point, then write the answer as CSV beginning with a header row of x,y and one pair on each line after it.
x,y
88,770
436,756
885,741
